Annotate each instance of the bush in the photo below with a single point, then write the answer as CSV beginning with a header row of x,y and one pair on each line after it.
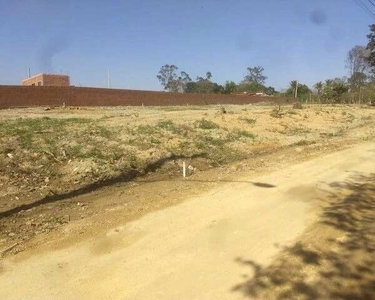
x,y
297,105
244,133
205,124
167,125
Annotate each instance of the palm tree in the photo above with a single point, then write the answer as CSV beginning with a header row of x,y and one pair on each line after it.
x,y
328,82
293,85
319,86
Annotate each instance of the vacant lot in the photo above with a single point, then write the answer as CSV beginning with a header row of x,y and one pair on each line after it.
x,y
49,156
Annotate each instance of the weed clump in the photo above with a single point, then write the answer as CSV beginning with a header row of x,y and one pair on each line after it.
x,y
244,133
205,124
166,124
248,120
275,113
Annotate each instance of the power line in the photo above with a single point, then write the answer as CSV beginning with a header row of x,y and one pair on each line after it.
x,y
365,8
372,3
371,12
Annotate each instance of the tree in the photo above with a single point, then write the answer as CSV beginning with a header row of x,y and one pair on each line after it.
x,y
208,77
204,87
255,76
270,90
319,86
250,87
167,76
292,86
229,87
303,90
182,81
171,81
357,80
368,93
356,60
339,87
334,88
371,47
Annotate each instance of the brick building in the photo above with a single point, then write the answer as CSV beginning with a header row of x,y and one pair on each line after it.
x,y
47,80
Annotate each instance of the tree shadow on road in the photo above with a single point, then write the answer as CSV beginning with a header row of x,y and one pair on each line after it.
x,y
334,259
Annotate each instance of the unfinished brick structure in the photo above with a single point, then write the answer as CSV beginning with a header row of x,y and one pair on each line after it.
x,y
47,80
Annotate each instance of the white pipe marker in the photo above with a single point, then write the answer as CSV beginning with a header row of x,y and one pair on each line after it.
x,y
184,169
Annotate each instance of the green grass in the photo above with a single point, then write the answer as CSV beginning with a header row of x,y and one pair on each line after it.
x,y
155,141
33,133
244,133
205,124
248,120
98,130
290,131
167,125
145,129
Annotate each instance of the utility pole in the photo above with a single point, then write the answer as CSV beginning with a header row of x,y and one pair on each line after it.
x,y
109,79
296,93
29,72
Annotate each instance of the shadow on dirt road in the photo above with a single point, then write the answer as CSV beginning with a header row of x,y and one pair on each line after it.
x,y
334,260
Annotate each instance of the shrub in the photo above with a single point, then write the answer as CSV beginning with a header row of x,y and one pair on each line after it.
x,y
297,105
244,133
167,125
249,121
205,124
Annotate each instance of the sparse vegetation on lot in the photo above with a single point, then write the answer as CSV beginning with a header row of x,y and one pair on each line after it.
x,y
48,153
81,150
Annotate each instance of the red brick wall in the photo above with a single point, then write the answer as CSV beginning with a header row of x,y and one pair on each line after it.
x,y
55,80
25,96
35,80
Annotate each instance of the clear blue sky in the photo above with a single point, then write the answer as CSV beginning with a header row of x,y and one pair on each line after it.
x,y
291,39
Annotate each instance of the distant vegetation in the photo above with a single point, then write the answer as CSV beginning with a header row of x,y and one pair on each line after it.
x,y
358,87
253,82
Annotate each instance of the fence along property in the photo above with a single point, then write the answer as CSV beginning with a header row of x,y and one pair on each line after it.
x,y
28,96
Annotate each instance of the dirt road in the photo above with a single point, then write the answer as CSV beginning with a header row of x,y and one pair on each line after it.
x,y
192,250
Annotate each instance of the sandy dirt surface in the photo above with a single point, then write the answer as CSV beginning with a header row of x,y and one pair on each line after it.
x,y
285,234
48,157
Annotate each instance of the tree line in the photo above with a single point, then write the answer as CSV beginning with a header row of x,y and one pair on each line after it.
x,y
253,82
357,87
